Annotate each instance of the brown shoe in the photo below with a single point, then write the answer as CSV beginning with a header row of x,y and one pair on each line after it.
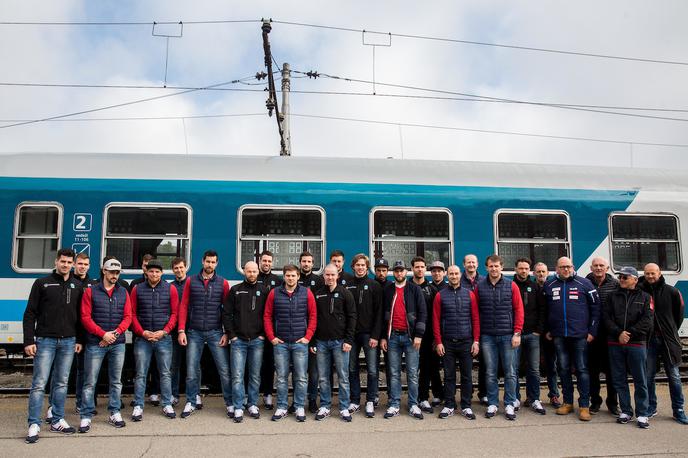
x,y
565,409
584,414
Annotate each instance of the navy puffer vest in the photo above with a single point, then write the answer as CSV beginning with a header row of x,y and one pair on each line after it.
x,y
107,311
153,305
290,313
205,303
496,308
456,313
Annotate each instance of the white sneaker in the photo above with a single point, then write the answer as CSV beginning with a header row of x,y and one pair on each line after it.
x,y
32,436
254,412
345,414
415,412
238,416
169,412
85,425
517,405
537,407
426,407
62,426
154,399
199,402
175,401
230,411
115,419
468,413
137,414
370,409
446,412
188,410
353,408
300,414
510,412
49,415
323,413
267,401
491,411
392,412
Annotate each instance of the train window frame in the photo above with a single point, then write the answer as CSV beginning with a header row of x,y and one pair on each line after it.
x,y
611,238
16,236
143,205
373,239
568,242
278,269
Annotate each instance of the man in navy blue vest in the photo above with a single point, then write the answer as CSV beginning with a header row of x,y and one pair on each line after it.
x,y
50,336
200,323
469,279
179,352
405,313
573,315
501,321
456,328
290,320
105,315
154,305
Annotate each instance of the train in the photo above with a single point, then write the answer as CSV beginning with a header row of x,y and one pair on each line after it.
x,y
170,205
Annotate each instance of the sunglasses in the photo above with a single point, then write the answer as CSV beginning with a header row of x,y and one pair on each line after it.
x,y
624,277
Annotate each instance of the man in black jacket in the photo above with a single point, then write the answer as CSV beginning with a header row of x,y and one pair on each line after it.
x,y
627,317
242,317
334,336
664,343
405,315
51,322
314,282
267,372
598,356
367,295
534,315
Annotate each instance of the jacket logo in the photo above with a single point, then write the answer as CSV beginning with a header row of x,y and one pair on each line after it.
x,y
257,293
312,282
529,289
365,286
272,282
336,294
343,282
241,292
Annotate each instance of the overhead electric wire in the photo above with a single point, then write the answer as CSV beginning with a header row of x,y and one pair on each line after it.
x,y
120,23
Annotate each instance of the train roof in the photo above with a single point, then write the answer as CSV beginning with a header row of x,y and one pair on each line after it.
x,y
323,169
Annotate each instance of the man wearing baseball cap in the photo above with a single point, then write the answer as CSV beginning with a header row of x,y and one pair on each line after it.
x,y
381,270
404,315
437,273
627,316
154,306
105,315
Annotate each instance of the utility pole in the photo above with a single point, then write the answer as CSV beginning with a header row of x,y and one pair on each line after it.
x,y
286,84
271,102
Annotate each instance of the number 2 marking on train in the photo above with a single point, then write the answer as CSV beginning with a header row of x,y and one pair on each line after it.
x,y
82,222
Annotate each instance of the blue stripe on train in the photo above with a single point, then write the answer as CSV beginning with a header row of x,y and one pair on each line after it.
x,y
12,309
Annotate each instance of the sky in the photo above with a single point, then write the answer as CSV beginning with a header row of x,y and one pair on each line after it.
x,y
398,122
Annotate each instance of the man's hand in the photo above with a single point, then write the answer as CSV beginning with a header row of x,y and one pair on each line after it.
x,y
78,348
475,349
149,336
303,340
373,343
223,340
515,341
416,342
624,337
30,350
591,338
277,341
383,344
109,337
346,347
182,339
548,336
440,349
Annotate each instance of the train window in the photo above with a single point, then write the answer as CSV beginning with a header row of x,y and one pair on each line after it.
x,y
37,232
540,235
286,231
639,238
133,230
400,233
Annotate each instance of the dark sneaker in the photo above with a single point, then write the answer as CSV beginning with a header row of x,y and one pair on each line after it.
x,y
323,413
623,419
416,413
436,402
279,414
595,408
614,410
137,414
115,420
555,402
312,406
652,414
446,413
61,426
300,414
32,437
680,417
85,425
291,410
154,399
484,401
267,402
468,413
527,403
376,402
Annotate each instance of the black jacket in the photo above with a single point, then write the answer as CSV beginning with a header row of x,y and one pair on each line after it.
x,y
534,306
416,309
53,308
336,314
429,291
628,310
311,281
243,308
608,286
270,280
367,294
669,310
345,278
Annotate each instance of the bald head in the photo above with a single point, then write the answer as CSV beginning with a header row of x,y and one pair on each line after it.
x,y
564,267
251,271
454,275
652,273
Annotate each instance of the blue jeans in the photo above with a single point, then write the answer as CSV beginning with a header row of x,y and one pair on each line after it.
x,y
51,353
361,341
573,349
397,345
296,354
243,352
93,360
550,357
143,352
621,360
175,366
656,348
530,349
496,350
194,349
329,351
312,377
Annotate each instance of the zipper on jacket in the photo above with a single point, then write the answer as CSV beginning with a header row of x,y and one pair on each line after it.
x,y
566,323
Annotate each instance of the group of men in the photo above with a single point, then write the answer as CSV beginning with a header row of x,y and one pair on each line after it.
x,y
307,325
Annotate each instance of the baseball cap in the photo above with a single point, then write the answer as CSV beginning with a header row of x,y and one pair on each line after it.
x,y
628,270
437,265
154,264
112,264
399,265
381,262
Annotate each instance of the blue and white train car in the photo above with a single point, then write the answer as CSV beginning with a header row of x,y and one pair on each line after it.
x,y
172,205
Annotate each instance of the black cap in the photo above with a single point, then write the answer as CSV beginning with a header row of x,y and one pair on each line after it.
x,y
399,265
154,264
381,262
